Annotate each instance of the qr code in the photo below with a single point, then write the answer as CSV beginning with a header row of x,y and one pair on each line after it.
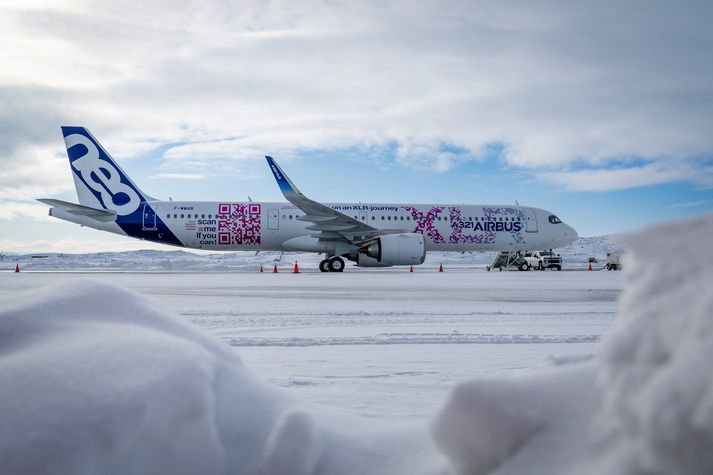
x,y
239,223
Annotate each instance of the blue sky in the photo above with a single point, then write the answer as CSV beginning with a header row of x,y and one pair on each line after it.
x,y
598,112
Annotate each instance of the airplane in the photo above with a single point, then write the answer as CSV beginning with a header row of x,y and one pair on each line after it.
x,y
368,234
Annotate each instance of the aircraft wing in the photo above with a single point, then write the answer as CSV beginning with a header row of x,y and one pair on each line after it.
x,y
81,210
328,223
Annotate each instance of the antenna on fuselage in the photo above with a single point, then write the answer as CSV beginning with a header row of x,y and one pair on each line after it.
x,y
250,199
517,203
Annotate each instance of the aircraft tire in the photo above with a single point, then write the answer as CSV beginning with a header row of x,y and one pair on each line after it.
x,y
336,264
324,266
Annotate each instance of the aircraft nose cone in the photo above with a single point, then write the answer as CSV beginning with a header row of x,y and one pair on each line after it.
x,y
570,233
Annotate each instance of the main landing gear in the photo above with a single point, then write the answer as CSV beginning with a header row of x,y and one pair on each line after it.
x,y
333,264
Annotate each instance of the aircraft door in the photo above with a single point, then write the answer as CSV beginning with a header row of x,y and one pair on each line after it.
x,y
273,219
149,218
531,224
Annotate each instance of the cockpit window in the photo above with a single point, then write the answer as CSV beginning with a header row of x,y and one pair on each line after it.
x,y
554,219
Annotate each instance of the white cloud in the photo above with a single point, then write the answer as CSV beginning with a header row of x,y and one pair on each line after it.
x,y
181,176
688,204
13,209
556,83
608,179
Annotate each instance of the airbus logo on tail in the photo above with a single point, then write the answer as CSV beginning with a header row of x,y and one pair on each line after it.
x,y
103,178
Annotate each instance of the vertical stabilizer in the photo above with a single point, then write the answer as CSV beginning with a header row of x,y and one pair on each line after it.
x,y
100,182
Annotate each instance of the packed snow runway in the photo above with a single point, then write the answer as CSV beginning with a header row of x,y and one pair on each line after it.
x,y
384,343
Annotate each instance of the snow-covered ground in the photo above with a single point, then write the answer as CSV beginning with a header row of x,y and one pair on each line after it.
x,y
382,371
575,256
382,342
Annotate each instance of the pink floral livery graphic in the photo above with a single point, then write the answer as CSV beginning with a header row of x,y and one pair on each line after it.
x,y
239,223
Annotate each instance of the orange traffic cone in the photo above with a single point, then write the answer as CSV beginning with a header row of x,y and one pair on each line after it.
x,y
17,267
440,269
411,269
297,269
590,266
261,268
274,269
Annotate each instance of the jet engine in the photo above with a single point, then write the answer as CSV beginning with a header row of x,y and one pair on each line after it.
x,y
362,260
396,250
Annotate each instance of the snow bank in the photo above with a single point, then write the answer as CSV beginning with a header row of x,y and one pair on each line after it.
x,y
657,414
645,405
95,380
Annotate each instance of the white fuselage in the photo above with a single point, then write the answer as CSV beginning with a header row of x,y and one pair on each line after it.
x,y
234,226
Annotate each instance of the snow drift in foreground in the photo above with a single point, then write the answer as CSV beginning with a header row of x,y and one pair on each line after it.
x,y
644,406
95,380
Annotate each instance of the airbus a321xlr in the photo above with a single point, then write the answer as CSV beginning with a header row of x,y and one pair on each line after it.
x,y
369,234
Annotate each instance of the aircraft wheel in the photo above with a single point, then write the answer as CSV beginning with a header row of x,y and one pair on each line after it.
x,y
324,266
336,264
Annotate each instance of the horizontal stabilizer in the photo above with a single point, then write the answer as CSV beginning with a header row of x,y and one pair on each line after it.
x,y
104,215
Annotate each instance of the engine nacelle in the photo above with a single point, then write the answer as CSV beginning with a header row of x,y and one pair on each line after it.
x,y
397,249
362,260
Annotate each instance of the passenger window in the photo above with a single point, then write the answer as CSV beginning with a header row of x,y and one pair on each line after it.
x,y
175,216
202,216
402,218
284,216
383,218
373,218
181,216
389,218
408,218
168,216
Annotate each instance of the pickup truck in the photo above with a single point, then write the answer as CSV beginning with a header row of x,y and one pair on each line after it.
x,y
542,260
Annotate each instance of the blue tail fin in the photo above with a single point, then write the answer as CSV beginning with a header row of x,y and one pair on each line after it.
x,y
100,182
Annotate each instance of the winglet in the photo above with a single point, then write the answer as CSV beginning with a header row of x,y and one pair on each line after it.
x,y
285,184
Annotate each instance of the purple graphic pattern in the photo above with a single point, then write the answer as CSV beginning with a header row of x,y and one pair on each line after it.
x,y
239,223
425,223
470,232
457,236
493,213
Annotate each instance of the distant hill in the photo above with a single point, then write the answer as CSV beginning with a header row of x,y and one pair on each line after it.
x,y
574,255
